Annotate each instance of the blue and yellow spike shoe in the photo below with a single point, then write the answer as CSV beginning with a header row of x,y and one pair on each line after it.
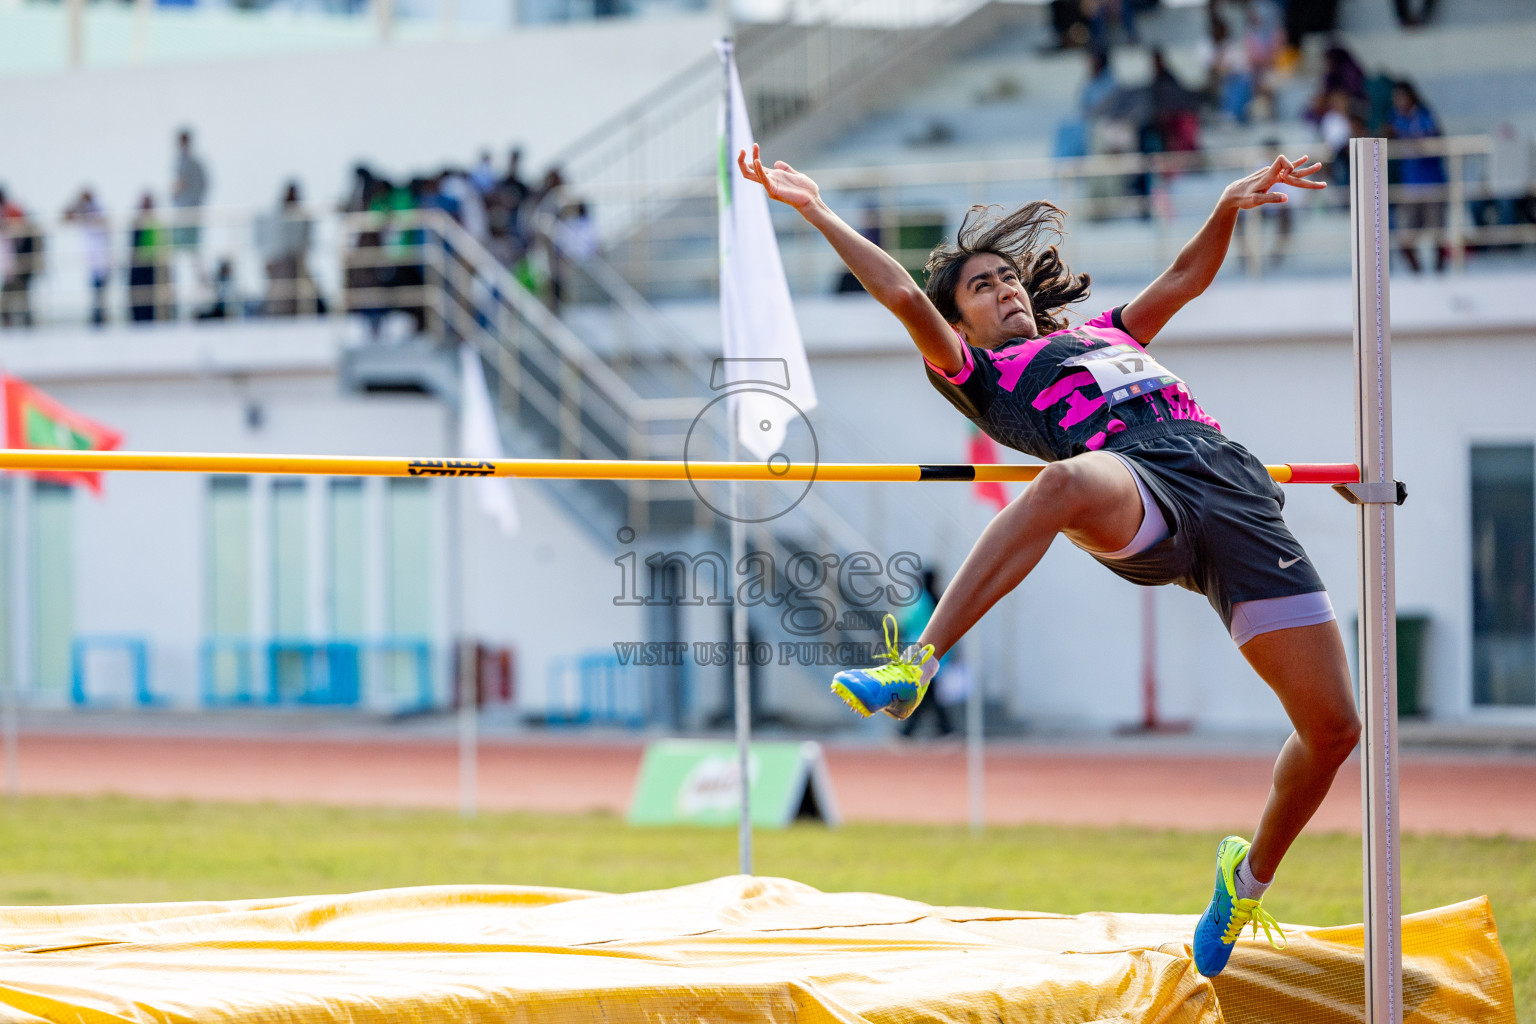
x,y
1224,919
897,687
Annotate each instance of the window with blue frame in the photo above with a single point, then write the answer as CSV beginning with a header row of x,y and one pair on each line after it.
x,y
289,550
53,586
229,671
1504,575
345,579
408,534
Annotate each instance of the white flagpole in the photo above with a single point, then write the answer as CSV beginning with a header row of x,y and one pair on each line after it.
x,y
975,754
741,675
741,678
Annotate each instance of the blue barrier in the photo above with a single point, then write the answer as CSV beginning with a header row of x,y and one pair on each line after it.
x,y
420,652
607,691
138,658
324,671
240,652
301,671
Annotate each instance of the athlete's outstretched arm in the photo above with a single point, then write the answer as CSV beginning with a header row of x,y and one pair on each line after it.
x,y
881,276
1197,263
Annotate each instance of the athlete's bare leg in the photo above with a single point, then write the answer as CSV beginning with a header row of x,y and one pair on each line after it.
x,y
1091,498
1307,669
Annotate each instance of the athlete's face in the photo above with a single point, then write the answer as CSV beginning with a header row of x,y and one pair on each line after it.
x,y
994,307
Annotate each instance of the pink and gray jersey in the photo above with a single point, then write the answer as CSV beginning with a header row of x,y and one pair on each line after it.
x,y
1026,396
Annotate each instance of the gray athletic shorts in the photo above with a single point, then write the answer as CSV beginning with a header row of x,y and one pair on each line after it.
x,y
1226,537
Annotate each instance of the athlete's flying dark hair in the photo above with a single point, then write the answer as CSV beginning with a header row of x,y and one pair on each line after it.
x,y
1027,239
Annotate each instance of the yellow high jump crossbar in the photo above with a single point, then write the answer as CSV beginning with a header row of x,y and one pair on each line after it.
x,y
39,460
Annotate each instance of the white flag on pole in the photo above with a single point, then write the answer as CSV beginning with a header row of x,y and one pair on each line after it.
x,y
479,438
757,316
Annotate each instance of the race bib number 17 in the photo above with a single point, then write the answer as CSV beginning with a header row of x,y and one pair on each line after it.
x,y
1124,372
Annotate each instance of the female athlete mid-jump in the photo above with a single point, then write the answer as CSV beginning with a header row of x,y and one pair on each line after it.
x,y
1139,476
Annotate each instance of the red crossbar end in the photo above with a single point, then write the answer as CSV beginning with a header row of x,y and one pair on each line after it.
x,y
1324,473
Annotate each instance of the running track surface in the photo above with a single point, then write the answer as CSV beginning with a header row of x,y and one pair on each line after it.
x,y
1484,795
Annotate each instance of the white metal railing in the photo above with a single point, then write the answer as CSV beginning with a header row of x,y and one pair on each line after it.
x,y
1130,214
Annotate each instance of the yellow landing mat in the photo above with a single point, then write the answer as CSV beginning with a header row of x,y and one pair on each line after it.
x,y
734,949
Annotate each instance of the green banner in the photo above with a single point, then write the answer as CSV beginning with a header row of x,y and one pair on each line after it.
x,y
695,782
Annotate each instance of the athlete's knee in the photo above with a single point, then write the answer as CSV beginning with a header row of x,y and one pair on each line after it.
x,y
1334,735
1065,489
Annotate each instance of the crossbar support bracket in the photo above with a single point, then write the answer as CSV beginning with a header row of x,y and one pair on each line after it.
x,y
1386,492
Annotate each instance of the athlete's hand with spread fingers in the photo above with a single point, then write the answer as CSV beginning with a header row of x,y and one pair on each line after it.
x,y
781,181
1254,190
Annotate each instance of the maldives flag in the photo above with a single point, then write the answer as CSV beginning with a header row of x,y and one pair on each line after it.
x,y
983,452
33,420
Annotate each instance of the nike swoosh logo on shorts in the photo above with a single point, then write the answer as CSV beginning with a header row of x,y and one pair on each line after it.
x,y
1284,564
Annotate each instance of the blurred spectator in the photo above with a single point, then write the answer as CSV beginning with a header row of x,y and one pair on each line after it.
x,y
1090,23
365,273
1305,17
96,242
189,194
149,282
547,193
1422,177
1511,174
575,242
1099,89
365,187
1263,43
1174,111
516,187
1413,13
384,271
1379,107
1097,16
285,240
577,233
1069,24
484,175
1339,124
224,297
1130,10
458,195
21,256
505,222
1229,79
539,269
1341,74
